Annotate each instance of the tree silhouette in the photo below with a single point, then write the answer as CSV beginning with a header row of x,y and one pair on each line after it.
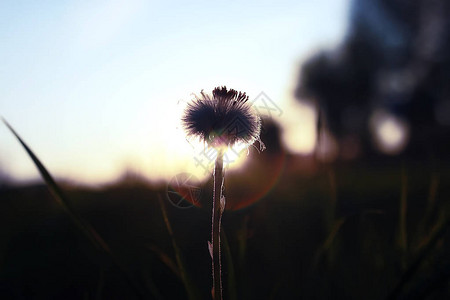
x,y
395,58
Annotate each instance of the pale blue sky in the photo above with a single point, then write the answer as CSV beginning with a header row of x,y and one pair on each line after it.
x,y
95,86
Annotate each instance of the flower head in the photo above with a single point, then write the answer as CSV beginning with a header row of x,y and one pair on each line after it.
x,y
222,118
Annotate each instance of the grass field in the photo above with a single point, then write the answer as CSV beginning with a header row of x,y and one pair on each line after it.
x,y
368,230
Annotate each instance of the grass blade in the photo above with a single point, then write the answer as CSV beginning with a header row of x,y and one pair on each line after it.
x,y
231,278
431,205
338,223
403,235
100,285
188,285
165,259
328,241
438,233
88,231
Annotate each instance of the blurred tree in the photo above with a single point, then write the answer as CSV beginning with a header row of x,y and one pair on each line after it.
x,y
388,80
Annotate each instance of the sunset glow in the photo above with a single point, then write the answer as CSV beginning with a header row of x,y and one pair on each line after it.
x,y
98,88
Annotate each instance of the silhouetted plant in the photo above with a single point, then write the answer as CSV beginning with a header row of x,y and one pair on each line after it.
x,y
221,120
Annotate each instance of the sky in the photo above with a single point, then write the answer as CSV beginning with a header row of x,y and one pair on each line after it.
x,y
97,87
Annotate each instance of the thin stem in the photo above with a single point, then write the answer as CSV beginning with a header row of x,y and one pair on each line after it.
x,y
216,220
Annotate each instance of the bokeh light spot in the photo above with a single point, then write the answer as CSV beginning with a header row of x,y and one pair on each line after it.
x,y
391,133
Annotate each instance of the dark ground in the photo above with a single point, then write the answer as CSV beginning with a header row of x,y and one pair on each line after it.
x,y
281,246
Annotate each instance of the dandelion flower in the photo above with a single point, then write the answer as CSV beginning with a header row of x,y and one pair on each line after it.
x,y
222,118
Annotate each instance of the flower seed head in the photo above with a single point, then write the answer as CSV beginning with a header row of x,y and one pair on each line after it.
x,y
222,118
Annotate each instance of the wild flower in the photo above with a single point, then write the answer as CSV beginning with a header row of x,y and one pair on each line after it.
x,y
221,119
